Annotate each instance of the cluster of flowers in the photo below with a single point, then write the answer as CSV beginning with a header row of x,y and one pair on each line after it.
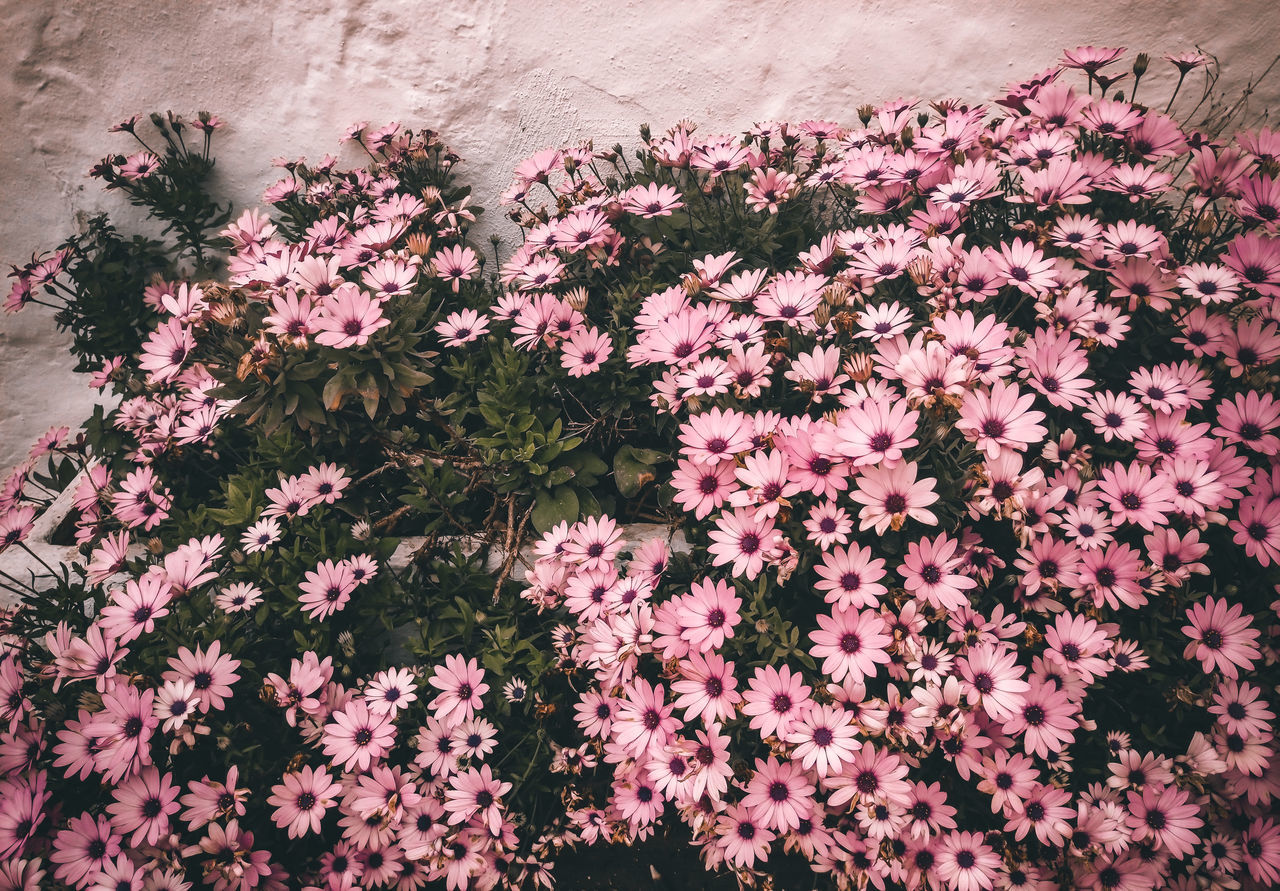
x,y
411,808
438,816
945,429
959,478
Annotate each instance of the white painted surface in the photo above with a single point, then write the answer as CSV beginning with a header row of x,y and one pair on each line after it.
x,y
499,80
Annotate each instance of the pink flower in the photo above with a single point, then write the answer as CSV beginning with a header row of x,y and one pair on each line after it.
x,y
872,775
708,614
327,589
1222,637
166,350
593,544
851,577
462,327
779,794
585,351
83,848
133,610
703,488
824,738
929,572
301,800
775,700
714,436
350,318
851,644
143,805
1045,718
708,689
1000,419
966,863
892,495
356,737
651,201
455,264
210,671
745,539
742,836
645,722
1163,814
993,678
461,685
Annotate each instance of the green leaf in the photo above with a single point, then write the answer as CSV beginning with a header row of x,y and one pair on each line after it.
x,y
554,506
633,469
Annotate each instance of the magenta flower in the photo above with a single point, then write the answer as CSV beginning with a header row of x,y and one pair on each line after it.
x,y
850,644
356,737
143,805
350,317
301,800
327,589
461,685
1222,637
745,539
1000,419
779,794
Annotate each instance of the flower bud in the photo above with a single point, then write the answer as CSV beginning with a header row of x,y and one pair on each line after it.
x,y
1140,64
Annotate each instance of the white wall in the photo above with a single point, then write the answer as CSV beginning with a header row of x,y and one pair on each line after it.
x,y
499,80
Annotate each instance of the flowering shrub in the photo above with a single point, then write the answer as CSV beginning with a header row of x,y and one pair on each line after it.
x,y
965,418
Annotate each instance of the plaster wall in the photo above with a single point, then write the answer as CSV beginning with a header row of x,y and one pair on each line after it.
x,y
500,80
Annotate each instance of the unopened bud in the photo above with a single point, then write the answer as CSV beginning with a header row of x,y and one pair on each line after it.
x,y
1140,64
577,298
865,114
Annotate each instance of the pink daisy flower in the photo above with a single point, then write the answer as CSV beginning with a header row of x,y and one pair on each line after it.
x,y
461,685
708,689
651,201
350,317
929,572
84,848
1163,814
702,488
1222,637
210,671
743,837
593,544
824,738
391,690
715,436
892,495
1045,719
462,327
644,722
585,351
993,677
327,589
745,539
455,264
966,863
1000,419
133,609
827,524
851,577
301,800
356,737
779,794
872,775
708,614
143,805
775,700
850,644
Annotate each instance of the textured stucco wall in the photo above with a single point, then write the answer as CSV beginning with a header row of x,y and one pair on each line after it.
x,y
499,80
